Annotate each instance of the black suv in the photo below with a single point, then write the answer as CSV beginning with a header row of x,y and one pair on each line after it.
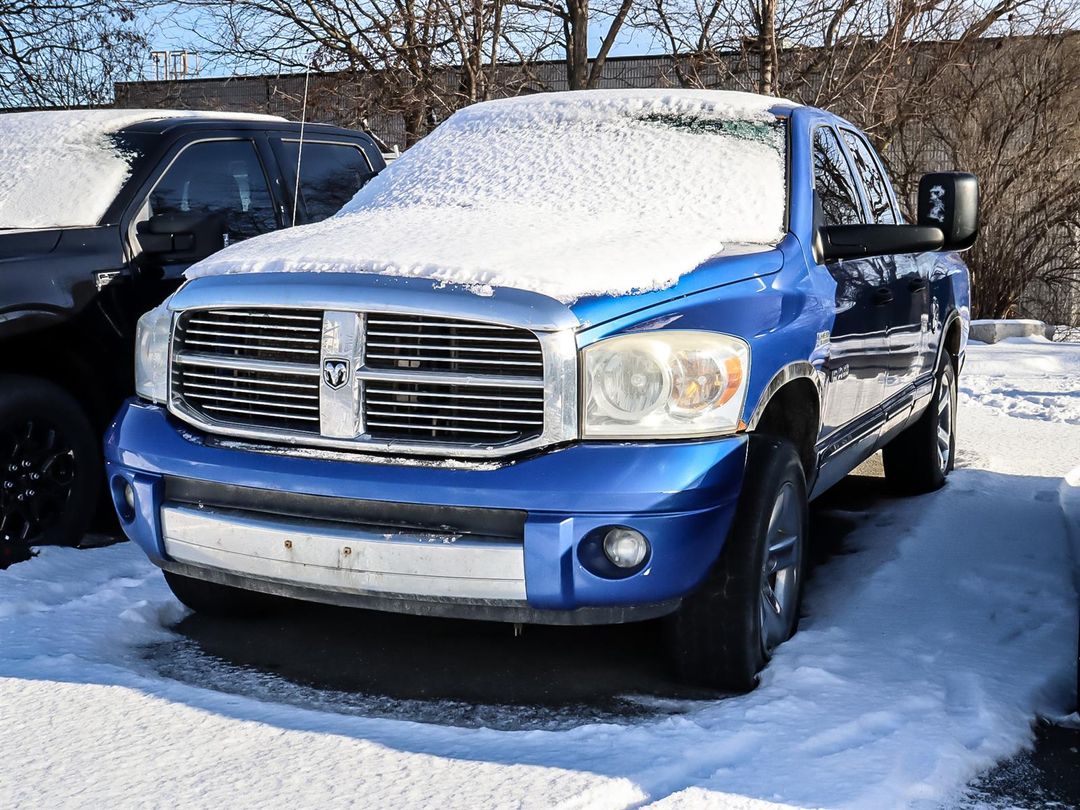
x,y
111,209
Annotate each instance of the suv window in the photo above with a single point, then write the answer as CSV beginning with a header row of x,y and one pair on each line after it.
x,y
330,175
877,189
833,181
217,179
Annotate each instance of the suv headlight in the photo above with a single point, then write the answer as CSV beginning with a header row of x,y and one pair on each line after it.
x,y
664,384
152,354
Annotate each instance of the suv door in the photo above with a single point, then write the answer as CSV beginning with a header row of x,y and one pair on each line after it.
x,y
331,172
858,344
210,193
908,279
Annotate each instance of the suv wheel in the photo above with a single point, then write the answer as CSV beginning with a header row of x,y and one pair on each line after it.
x,y
50,465
724,634
918,459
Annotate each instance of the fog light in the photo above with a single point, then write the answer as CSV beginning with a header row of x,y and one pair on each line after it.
x,y
625,548
123,496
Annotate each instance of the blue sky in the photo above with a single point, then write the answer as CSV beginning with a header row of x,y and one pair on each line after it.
x,y
174,25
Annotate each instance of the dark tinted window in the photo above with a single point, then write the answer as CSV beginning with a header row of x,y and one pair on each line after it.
x,y
330,174
222,179
877,190
833,181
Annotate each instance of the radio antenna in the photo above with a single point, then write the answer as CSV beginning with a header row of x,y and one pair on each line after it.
x,y
300,147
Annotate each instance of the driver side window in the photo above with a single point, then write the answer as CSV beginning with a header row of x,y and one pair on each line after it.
x,y
833,181
216,181
877,188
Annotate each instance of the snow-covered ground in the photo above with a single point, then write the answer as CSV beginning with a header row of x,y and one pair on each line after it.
x,y
924,657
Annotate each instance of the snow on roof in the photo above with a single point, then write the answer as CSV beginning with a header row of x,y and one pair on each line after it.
x,y
566,194
61,169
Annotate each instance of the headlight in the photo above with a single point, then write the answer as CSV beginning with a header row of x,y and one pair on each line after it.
x,y
664,384
152,354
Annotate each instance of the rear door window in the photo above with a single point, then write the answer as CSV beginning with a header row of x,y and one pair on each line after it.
x,y
330,175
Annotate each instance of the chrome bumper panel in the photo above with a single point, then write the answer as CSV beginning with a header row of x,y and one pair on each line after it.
x,y
344,559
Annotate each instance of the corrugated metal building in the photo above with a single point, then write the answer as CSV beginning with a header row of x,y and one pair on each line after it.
x,y
347,100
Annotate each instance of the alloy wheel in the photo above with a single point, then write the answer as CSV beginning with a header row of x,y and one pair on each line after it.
x,y
780,573
37,472
945,420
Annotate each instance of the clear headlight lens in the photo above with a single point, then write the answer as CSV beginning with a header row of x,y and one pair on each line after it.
x,y
152,354
664,384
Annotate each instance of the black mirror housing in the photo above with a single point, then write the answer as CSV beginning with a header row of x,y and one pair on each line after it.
x,y
862,241
950,201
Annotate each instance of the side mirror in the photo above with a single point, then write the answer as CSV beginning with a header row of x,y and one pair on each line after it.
x,y
180,236
950,201
861,241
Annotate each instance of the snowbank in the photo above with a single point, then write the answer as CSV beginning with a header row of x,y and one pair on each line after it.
x,y
928,647
567,194
61,169
991,331
1029,378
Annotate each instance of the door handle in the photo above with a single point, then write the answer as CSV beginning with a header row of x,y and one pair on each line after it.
x,y
882,295
918,284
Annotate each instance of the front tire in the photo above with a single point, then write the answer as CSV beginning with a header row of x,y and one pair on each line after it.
x,y
220,601
919,459
50,464
725,633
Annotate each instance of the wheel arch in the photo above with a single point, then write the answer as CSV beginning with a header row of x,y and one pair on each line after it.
x,y
62,357
953,335
790,407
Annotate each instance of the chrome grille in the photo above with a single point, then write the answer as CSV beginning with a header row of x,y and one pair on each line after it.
x,y
444,344
420,381
275,334
428,411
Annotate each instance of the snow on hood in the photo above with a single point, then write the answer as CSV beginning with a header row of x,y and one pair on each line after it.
x,y
61,169
565,194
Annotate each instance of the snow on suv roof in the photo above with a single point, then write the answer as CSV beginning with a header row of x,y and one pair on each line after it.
x,y
566,194
61,168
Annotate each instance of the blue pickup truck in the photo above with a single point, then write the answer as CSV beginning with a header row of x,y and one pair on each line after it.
x,y
575,358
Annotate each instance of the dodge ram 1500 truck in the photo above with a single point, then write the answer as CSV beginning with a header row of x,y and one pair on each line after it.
x,y
574,358
101,211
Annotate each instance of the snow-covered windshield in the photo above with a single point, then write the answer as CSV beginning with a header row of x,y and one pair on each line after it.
x,y
62,169
692,165
567,194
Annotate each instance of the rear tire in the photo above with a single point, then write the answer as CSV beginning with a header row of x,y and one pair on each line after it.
x,y
50,464
725,633
919,459
221,601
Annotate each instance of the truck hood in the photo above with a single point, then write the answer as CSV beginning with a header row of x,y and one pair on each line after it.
x,y
26,244
525,249
367,291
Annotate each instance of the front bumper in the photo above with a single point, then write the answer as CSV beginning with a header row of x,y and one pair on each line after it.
x,y
513,547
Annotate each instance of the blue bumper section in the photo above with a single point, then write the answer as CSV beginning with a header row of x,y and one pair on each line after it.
x,y
681,496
